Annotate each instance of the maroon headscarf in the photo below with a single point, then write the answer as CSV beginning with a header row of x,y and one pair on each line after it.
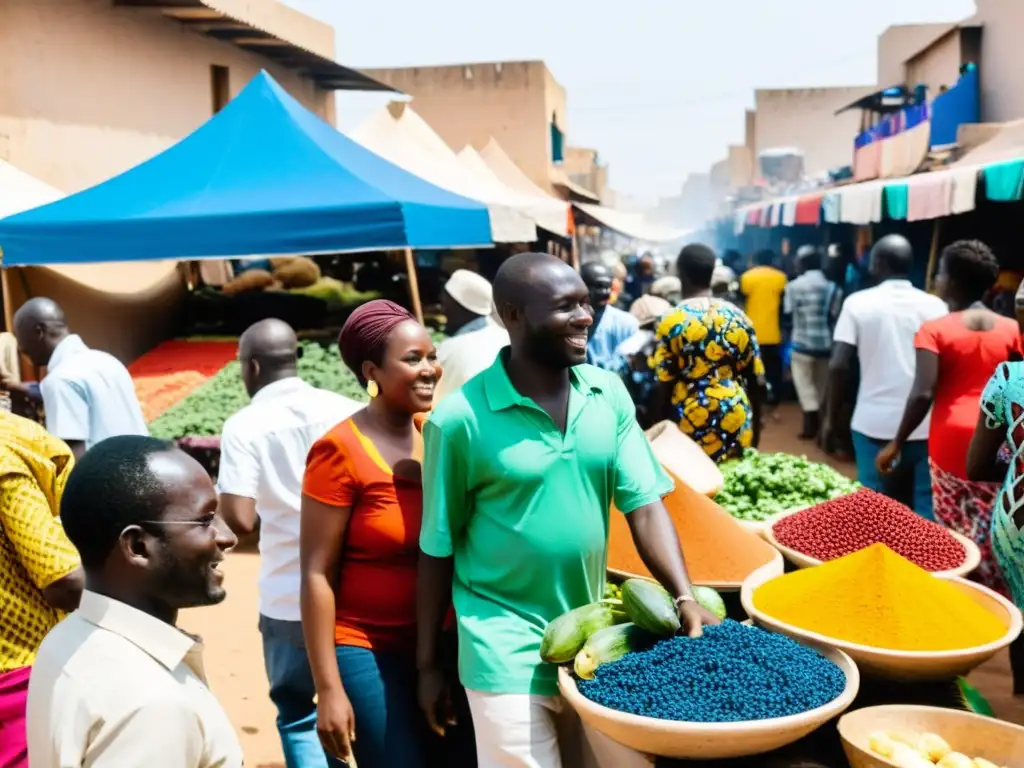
x,y
366,332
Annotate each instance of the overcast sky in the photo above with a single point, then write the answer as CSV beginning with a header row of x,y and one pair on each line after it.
x,y
658,87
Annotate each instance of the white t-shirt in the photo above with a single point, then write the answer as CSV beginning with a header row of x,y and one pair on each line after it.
x,y
882,322
263,451
89,395
463,357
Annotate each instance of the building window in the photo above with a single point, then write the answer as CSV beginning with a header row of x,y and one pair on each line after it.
x,y
220,87
557,142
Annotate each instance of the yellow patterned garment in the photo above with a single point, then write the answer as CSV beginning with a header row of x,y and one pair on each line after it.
x,y
704,348
34,551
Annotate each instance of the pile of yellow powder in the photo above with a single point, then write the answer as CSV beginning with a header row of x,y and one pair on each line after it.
x,y
876,598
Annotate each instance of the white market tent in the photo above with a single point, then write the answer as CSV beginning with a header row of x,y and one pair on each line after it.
x,y
512,176
634,225
549,213
402,137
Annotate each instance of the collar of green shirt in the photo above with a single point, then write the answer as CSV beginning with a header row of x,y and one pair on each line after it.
x,y
502,395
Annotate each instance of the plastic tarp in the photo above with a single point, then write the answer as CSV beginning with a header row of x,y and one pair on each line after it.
x,y
512,176
634,225
1006,144
409,142
548,213
263,176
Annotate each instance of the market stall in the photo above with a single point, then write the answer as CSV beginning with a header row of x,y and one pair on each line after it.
x,y
264,176
880,616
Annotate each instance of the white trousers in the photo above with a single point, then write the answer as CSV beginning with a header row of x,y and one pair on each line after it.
x,y
810,379
523,731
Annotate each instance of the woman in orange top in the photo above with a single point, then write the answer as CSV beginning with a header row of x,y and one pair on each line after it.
x,y
361,508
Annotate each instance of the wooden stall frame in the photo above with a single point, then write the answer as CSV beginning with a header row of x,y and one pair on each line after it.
x,y
414,285
933,256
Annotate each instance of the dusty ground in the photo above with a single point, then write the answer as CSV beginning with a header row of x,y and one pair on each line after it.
x,y
235,664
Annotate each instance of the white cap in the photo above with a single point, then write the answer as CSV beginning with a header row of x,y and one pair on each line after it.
x,y
471,291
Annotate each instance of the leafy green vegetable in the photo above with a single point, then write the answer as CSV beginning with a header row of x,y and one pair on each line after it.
x,y
204,411
763,484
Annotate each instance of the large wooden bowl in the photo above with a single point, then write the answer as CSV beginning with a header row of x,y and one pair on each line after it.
x,y
998,742
760,527
709,741
972,555
902,665
773,568
678,453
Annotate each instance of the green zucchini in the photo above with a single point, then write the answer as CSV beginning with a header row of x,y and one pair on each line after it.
x,y
611,644
564,636
650,606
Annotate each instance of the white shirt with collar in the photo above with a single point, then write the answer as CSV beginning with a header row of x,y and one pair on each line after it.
x,y
263,451
114,687
881,323
463,357
89,395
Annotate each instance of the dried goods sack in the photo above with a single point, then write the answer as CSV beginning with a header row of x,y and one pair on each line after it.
x,y
300,272
250,281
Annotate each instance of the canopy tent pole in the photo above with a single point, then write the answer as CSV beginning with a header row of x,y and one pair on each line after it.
x,y
933,255
414,285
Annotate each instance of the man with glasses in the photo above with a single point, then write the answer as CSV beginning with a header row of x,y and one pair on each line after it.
x,y
117,683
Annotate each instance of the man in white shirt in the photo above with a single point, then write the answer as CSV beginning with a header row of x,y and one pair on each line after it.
x,y
877,326
88,395
117,683
477,334
263,456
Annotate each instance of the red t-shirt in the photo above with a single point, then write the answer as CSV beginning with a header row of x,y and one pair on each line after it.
x,y
967,360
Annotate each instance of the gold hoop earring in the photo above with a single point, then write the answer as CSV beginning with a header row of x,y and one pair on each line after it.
x,y
372,389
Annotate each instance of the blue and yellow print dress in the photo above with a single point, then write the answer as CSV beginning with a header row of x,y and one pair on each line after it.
x,y
703,347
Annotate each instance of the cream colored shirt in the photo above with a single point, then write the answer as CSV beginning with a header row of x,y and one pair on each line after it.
x,y
113,687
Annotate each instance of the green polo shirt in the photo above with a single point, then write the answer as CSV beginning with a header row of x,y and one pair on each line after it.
x,y
524,511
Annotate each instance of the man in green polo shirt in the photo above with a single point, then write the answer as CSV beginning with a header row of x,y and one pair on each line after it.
x,y
521,467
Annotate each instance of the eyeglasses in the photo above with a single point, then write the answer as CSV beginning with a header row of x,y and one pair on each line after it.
x,y
209,521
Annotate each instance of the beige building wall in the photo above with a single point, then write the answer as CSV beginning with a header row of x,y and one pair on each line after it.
x,y
88,90
1002,59
467,104
805,119
937,65
901,42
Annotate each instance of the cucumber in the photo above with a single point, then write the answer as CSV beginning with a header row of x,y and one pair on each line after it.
x,y
564,636
611,644
649,606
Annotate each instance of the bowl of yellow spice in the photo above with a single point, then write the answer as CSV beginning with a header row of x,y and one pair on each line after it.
x,y
903,736
893,618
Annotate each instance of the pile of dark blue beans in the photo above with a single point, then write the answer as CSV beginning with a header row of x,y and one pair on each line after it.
x,y
733,673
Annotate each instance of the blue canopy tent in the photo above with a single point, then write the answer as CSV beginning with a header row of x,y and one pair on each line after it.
x,y
264,176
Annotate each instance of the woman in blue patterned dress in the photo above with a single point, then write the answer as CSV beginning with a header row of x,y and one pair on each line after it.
x,y
709,365
997,454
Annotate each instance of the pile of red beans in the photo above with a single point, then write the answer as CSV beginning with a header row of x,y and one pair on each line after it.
x,y
847,524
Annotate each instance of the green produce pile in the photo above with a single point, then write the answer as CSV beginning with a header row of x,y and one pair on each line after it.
x,y
763,484
203,413
629,618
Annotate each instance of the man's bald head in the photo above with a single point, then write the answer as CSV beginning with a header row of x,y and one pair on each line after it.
x,y
892,256
39,326
544,305
268,351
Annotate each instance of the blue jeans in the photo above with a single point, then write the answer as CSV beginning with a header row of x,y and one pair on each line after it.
x,y
913,468
292,691
390,729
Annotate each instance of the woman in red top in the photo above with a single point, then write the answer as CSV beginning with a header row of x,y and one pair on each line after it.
x,y
956,356
361,509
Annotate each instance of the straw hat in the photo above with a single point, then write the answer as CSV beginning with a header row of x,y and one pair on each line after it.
x,y
667,286
471,291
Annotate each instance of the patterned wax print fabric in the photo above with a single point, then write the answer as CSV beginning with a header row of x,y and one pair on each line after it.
x,y
704,347
34,550
1003,405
